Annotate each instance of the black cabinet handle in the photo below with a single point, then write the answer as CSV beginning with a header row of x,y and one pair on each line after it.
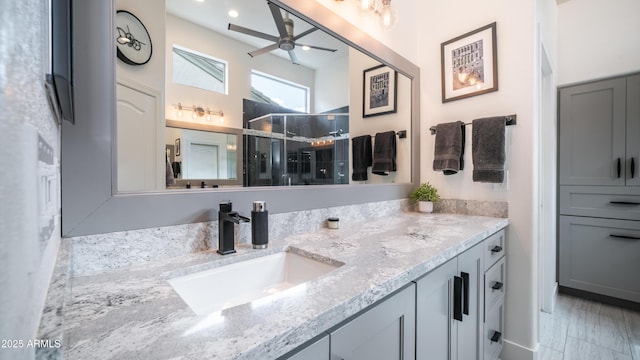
x,y
496,249
633,167
624,237
457,298
497,286
465,283
619,167
496,336
624,203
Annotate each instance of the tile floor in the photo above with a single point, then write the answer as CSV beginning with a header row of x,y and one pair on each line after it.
x,y
581,329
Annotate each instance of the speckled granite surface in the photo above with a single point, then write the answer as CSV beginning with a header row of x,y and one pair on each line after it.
x,y
133,312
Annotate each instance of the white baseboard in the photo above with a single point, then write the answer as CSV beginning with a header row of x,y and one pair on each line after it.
x,y
513,351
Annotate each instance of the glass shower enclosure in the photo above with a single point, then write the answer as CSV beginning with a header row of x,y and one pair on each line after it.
x,y
288,149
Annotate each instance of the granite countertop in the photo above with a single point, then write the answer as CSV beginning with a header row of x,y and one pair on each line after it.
x,y
134,313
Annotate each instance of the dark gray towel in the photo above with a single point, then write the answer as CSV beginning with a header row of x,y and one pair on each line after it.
x,y
384,153
449,148
361,157
488,149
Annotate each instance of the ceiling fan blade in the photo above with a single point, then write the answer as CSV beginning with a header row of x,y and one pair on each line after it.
x,y
258,34
263,50
294,58
277,17
305,33
317,47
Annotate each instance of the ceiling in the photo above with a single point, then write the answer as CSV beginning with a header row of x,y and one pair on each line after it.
x,y
255,15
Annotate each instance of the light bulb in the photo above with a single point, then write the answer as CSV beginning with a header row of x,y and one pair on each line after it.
x,y
388,16
179,110
364,5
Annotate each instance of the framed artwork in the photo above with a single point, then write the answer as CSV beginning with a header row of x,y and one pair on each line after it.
x,y
379,91
178,147
470,64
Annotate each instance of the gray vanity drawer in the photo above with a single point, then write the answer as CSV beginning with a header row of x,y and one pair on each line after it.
x,y
494,284
601,201
493,330
600,256
494,249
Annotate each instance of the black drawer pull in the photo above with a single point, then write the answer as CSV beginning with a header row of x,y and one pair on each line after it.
x,y
624,203
496,336
496,249
457,298
633,167
624,237
497,286
619,167
465,299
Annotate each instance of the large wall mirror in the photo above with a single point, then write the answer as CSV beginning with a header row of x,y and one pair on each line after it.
x,y
297,99
226,105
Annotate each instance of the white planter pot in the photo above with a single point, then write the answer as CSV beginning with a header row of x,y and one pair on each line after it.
x,y
425,206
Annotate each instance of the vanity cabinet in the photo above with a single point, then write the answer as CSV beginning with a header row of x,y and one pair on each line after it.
x,y
449,309
599,193
317,350
459,306
386,331
455,312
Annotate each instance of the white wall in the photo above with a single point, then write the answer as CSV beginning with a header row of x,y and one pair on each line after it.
x,y
403,38
195,37
517,82
151,13
597,39
26,262
332,86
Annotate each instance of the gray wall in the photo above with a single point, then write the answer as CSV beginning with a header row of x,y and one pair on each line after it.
x,y
26,260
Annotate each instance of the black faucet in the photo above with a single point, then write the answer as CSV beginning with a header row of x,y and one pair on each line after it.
x,y
226,219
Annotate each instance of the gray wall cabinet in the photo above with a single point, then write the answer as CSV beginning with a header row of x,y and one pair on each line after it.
x,y
600,256
599,192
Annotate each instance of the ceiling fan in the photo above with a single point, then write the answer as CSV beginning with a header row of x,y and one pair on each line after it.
x,y
287,41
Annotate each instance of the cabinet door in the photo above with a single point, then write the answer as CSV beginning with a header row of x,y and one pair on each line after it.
x,y
600,256
319,350
471,267
386,331
434,314
592,133
633,130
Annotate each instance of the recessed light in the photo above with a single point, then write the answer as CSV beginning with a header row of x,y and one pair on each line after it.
x,y
233,13
199,0
305,47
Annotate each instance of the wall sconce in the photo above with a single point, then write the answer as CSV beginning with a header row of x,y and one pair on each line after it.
x,y
198,112
382,8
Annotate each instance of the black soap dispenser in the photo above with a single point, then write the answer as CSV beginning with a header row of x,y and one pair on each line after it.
x,y
259,225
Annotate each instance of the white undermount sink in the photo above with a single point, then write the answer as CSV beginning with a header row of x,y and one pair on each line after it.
x,y
245,281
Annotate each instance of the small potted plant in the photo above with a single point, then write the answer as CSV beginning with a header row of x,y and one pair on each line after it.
x,y
425,195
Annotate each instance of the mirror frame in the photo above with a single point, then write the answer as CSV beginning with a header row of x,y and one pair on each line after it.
x,y
90,201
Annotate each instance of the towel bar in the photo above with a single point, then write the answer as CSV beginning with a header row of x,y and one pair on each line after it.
x,y
509,120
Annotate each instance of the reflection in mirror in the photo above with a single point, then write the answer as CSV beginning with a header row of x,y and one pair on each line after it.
x,y
198,154
298,104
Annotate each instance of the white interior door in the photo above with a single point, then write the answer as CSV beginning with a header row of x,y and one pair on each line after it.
x,y
203,161
140,163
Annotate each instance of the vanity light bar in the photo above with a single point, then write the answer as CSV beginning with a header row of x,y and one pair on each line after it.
x,y
198,111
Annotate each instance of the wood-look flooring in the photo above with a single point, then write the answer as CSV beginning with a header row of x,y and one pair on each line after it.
x,y
581,329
